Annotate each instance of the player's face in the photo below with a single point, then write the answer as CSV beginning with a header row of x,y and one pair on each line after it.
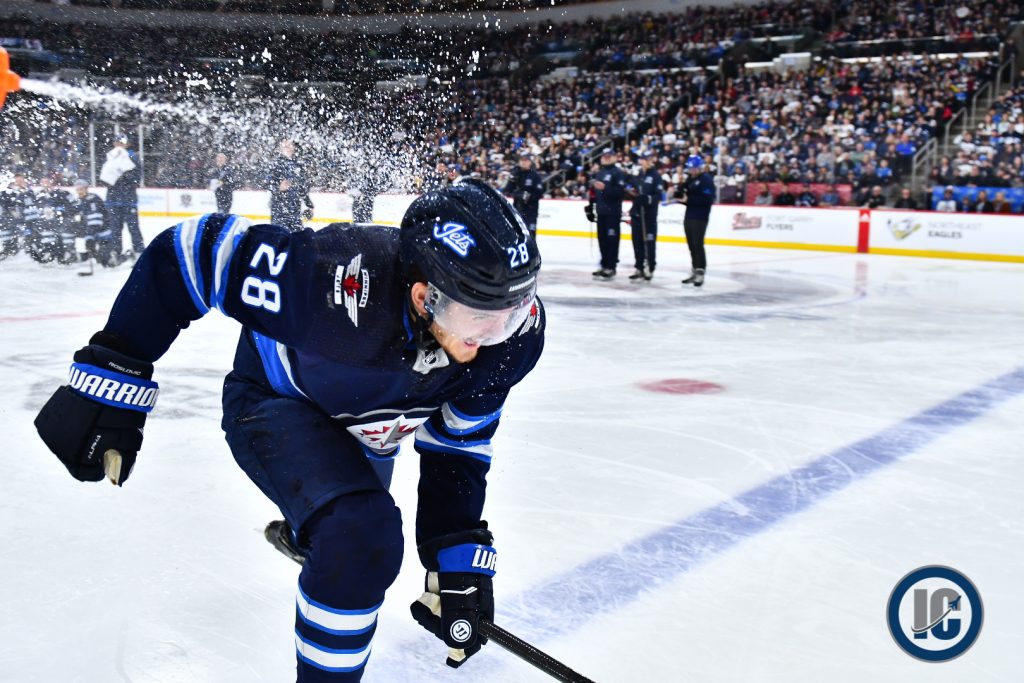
x,y
461,330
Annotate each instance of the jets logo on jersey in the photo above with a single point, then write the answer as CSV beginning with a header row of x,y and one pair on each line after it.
x,y
383,437
455,236
352,287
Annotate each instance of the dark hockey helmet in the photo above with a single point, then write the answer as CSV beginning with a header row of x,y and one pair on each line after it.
x,y
468,242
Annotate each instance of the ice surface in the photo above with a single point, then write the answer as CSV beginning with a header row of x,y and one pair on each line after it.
x,y
628,548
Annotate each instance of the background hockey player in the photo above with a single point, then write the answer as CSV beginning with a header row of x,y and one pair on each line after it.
x,y
699,196
122,175
54,239
11,224
354,337
289,188
609,185
646,190
526,188
223,182
93,238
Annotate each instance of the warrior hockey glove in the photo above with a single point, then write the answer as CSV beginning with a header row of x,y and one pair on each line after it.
x,y
94,423
589,211
458,591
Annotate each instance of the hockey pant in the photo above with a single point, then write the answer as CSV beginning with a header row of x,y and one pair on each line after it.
x,y
345,519
120,216
609,232
645,238
695,242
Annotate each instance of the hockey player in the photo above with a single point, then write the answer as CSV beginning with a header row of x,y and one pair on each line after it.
x,y
526,188
354,337
10,223
93,238
699,193
609,184
223,182
289,188
25,210
646,189
54,239
121,174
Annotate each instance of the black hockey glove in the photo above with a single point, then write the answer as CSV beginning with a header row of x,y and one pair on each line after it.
x,y
307,214
589,210
458,591
94,422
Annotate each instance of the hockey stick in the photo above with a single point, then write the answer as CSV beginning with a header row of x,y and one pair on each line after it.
x,y
278,535
530,654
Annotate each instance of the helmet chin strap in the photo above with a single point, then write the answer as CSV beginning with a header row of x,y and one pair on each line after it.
x,y
422,335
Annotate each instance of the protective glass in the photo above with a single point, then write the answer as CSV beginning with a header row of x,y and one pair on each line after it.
x,y
476,326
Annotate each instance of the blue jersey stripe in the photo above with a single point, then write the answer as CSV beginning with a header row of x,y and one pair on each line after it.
x,y
450,450
274,368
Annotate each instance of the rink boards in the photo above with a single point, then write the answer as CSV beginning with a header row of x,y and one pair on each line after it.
x,y
880,231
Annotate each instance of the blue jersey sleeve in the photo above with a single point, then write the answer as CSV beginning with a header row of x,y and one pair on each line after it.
x,y
455,443
257,275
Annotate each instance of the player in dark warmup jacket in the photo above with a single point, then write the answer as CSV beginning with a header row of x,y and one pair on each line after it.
x,y
289,189
526,188
610,188
354,337
699,190
223,182
646,190
93,238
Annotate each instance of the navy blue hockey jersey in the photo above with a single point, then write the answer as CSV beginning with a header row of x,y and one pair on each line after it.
x,y
326,321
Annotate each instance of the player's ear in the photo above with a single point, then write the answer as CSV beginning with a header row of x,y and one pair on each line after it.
x,y
418,293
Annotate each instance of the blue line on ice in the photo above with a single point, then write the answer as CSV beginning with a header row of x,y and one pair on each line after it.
x,y
609,582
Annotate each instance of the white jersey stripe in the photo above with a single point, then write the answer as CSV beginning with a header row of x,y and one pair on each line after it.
x,y
332,660
338,622
225,249
188,233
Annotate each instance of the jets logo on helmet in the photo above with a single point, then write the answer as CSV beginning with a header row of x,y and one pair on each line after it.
x,y
455,236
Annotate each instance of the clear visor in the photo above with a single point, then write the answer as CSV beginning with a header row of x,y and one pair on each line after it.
x,y
476,326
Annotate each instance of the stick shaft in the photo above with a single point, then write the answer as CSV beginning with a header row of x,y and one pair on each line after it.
x,y
531,654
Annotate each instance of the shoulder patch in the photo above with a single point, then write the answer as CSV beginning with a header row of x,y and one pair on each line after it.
x,y
352,287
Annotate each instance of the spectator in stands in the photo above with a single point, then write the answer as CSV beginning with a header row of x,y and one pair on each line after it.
x,y
764,197
884,173
1000,205
943,173
980,204
905,151
830,197
806,197
948,203
906,200
874,199
785,198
